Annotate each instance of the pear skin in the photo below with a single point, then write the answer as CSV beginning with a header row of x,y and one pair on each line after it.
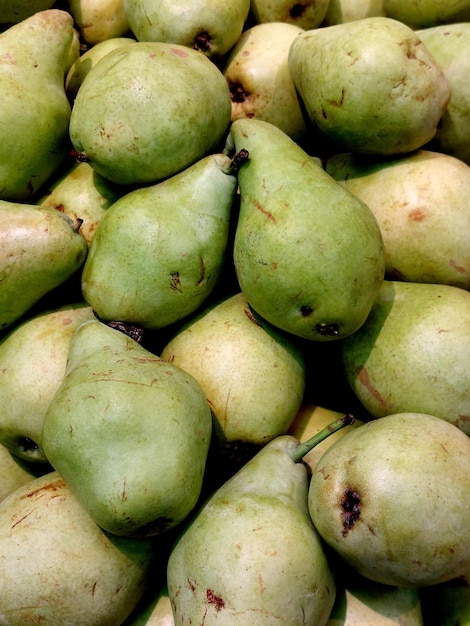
x,y
171,107
252,375
259,77
158,252
58,567
99,20
39,249
450,46
34,55
370,85
419,200
267,564
387,497
81,193
119,401
209,26
427,13
33,357
303,14
308,253
412,353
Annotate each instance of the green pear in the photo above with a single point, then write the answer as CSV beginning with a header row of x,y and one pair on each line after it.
x,y
158,252
390,498
39,249
34,109
119,401
420,202
259,77
341,11
81,66
209,26
426,13
363,602
412,353
251,554
58,567
370,85
170,107
450,46
253,376
304,14
99,20
33,357
81,193
308,253
12,11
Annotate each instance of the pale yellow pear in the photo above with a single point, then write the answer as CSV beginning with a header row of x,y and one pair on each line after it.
x,y
420,201
98,20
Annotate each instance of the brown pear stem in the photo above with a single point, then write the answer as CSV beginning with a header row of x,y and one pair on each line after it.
x,y
236,162
303,448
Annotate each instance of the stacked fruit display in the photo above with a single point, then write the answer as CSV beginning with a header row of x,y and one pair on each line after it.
x,y
234,313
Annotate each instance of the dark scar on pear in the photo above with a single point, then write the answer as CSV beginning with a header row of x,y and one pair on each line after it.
x,y
350,505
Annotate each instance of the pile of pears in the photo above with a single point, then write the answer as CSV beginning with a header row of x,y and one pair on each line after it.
x,y
234,313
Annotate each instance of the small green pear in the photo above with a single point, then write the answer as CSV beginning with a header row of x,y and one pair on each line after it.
x,y
363,602
370,85
426,13
412,353
306,15
34,109
420,202
81,193
253,376
209,26
39,249
251,554
259,78
81,66
58,567
308,253
450,46
129,433
33,356
390,498
158,252
99,20
170,107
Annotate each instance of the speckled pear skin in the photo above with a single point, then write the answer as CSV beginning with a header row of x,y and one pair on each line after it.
x,y
34,109
209,26
171,106
370,85
65,565
384,496
251,550
129,433
40,248
308,254
158,252
412,352
33,357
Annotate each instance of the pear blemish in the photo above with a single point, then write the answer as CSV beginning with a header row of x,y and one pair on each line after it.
x,y
350,505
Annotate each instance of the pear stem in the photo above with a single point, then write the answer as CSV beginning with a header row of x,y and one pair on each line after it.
x,y
236,162
303,448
